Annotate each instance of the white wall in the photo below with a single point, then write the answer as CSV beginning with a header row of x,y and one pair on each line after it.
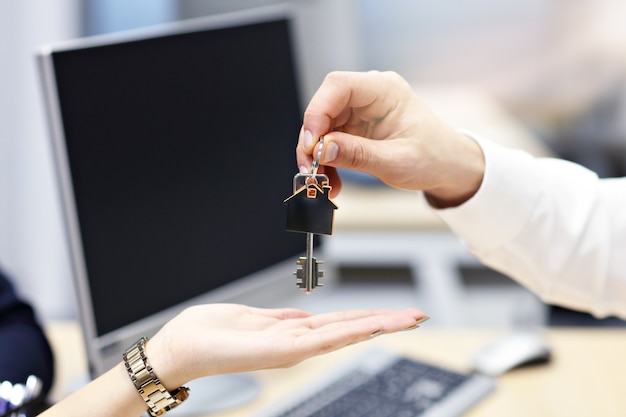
x,y
549,61
103,16
329,36
32,248
454,41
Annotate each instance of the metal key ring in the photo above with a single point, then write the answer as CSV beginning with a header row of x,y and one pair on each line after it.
x,y
316,163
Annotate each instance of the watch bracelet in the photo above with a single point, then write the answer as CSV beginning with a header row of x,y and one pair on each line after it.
x,y
148,385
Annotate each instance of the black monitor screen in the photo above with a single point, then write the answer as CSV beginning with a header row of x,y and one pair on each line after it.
x,y
181,152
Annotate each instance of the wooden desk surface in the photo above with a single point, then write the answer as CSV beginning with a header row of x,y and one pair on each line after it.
x,y
587,376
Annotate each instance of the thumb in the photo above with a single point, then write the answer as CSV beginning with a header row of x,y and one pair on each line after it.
x,y
343,150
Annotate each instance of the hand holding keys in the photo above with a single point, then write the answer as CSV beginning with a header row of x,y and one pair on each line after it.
x,y
310,211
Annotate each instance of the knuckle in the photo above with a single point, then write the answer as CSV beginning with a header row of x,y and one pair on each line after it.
x,y
358,156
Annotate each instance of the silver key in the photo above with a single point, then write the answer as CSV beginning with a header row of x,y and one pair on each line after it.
x,y
308,272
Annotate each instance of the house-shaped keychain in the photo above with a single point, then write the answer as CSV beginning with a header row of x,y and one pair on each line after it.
x,y
310,209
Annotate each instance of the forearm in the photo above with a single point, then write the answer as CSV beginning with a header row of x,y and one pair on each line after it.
x,y
111,394
550,224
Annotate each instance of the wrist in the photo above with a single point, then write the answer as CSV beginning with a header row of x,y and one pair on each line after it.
x,y
161,359
464,175
158,398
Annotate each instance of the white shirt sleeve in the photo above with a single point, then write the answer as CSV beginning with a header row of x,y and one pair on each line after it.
x,y
552,225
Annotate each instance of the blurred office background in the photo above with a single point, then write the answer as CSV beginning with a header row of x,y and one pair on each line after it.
x,y
557,66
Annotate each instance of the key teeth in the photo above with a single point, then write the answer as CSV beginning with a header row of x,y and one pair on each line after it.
x,y
300,274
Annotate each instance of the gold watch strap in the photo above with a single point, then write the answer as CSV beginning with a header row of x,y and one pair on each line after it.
x,y
148,385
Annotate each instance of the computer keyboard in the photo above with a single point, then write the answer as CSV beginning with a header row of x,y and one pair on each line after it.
x,y
383,384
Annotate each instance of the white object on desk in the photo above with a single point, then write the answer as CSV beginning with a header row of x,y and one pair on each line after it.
x,y
514,350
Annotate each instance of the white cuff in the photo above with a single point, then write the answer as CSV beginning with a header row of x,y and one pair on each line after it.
x,y
504,201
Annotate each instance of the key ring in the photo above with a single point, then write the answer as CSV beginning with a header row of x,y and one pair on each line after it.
x,y
316,162
300,180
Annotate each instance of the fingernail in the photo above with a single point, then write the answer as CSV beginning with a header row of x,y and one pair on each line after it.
x,y
307,140
377,333
415,326
422,320
304,170
330,152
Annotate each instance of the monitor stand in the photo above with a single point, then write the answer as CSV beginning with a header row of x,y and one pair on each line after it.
x,y
218,393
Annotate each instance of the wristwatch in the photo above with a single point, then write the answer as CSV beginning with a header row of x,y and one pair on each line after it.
x,y
149,386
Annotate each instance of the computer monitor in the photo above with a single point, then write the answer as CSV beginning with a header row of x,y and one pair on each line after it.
x,y
175,150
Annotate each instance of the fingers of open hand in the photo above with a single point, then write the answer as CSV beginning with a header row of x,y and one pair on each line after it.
x,y
332,331
364,320
291,341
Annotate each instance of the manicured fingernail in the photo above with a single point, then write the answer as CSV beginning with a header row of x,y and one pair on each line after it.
x,y
330,152
377,333
304,170
422,320
307,140
415,326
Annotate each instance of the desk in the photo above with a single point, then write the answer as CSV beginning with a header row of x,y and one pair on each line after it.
x,y
587,376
